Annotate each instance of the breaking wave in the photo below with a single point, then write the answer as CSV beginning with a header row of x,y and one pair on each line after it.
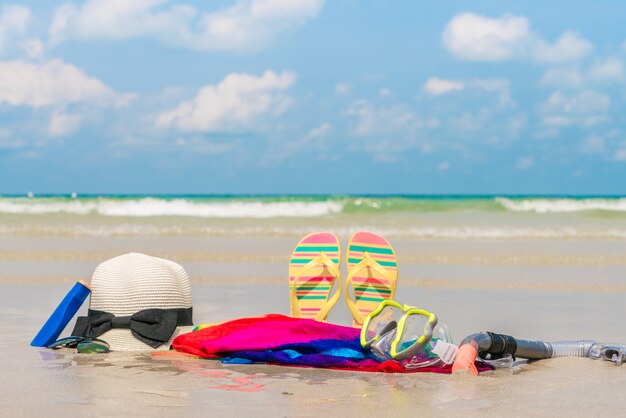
x,y
556,205
302,206
149,207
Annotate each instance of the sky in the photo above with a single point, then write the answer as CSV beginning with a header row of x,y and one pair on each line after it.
x,y
313,96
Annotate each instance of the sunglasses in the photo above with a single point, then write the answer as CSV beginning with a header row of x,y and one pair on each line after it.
x,y
82,344
404,331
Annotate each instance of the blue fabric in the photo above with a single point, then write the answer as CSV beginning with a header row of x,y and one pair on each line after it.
x,y
320,353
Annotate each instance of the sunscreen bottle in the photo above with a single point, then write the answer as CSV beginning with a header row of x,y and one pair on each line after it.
x,y
62,315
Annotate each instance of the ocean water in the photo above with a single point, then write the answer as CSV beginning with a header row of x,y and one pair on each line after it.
x,y
418,217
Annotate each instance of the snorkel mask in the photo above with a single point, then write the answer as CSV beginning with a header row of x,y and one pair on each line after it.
x,y
407,334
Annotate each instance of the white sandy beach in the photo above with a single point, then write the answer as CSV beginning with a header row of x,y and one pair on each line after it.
x,y
134,384
544,289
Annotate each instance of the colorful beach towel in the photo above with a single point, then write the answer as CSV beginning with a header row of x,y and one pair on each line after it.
x,y
278,339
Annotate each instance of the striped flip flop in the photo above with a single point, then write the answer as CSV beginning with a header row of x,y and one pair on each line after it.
x,y
372,274
313,269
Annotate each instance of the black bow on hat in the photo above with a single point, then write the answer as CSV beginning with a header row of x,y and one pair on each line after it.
x,y
154,327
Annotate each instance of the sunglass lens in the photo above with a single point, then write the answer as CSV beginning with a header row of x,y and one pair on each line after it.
x,y
69,342
92,346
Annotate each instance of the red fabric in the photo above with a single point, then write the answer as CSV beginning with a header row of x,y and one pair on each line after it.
x,y
258,333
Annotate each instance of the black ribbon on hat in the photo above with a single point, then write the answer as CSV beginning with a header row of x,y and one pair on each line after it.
x,y
154,327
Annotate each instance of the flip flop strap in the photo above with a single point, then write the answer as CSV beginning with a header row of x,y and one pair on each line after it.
x,y
324,260
367,261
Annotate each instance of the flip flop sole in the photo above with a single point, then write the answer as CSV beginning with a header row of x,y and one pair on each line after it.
x,y
371,287
314,286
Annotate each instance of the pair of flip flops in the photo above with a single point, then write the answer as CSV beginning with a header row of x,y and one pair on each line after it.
x,y
314,269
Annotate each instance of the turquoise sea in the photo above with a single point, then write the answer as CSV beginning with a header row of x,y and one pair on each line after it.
x,y
421,217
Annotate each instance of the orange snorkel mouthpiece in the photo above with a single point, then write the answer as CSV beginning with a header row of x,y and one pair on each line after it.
x,y
465,359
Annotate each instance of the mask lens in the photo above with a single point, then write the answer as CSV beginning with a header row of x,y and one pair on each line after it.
x,y
382,347
411,332
380,323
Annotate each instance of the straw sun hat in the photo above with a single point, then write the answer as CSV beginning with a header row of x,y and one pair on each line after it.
x,y
138,303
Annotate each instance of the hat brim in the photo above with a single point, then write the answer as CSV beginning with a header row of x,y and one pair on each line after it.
x,y
123,340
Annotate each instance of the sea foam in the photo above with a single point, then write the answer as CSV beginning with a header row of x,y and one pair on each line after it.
x,y
562,205
148,207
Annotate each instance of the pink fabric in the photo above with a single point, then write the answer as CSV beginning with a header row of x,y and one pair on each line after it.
x,y
259,333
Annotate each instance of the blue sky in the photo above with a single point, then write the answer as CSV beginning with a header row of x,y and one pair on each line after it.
x,y
312,96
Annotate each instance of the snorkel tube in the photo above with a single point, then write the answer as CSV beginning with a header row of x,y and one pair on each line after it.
x,y
500,345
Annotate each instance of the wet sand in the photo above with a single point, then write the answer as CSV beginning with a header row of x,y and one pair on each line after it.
x,y
550,290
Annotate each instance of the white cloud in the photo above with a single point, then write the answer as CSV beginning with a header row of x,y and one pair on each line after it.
x,y
384,92
14,20
52,83
586,102
318,132
524,163
479,38
254,21
383,120
547,133
62,123
8,141
384,131
563,77
570,46
438,86
391,128
494,85
117,19
586,108
247,24
610,70
33,48
620,154
443,166
469,121
343,88
313,144
488,125
515,124
232,104
488,119
593,145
